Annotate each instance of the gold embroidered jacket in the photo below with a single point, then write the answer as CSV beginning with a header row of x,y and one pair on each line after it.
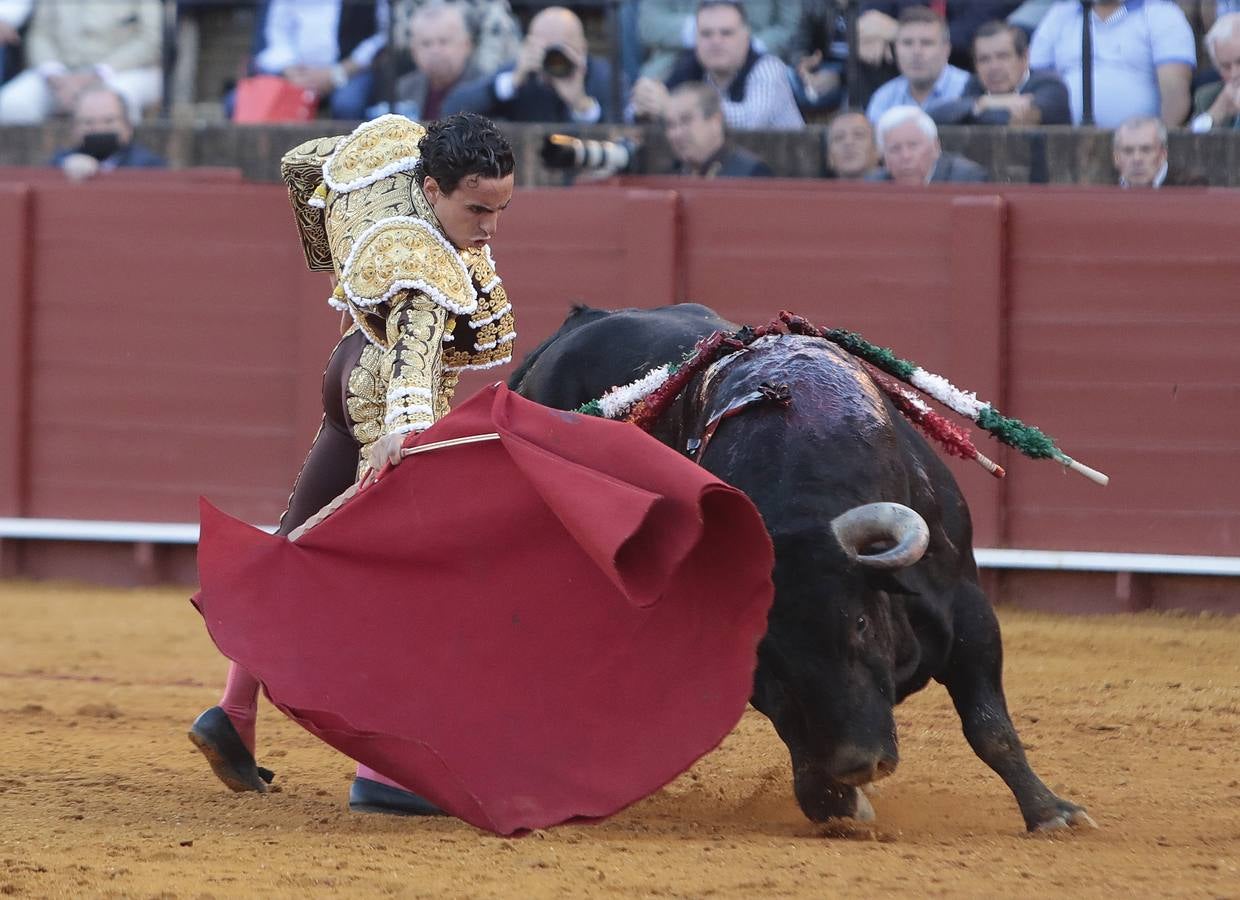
x,y
428,310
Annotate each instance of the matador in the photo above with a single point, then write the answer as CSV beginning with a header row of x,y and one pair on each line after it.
x,y
402,215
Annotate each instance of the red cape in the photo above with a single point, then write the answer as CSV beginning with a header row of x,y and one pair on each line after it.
x,y
525,631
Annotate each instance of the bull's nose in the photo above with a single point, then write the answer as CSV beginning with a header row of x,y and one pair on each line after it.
x,y
867,770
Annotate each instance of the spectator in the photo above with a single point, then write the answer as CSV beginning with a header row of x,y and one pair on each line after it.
x,y
852,151
493,28
909,143
72,45
879,20
327,47
1004,92
1139,151
102,137
926,78
1144,55
443,57
755,87
13,15
694,127
667,28
554,80
1218,105
820,49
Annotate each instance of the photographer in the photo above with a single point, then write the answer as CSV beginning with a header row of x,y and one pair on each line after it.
x,y
554,80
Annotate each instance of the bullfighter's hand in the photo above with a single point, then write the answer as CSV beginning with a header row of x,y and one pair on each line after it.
x,y
9,34
386,451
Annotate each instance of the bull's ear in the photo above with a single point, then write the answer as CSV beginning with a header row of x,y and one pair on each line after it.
x,y
898,581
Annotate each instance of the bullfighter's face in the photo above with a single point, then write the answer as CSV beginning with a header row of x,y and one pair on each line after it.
x,y
470,213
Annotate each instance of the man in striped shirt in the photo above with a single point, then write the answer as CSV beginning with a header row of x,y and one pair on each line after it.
x,y
755,88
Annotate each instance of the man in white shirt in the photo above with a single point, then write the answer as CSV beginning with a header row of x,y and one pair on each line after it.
x,y
327,47
71,46
1144,54
754,87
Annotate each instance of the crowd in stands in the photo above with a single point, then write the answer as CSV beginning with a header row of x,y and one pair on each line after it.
x,y
700,69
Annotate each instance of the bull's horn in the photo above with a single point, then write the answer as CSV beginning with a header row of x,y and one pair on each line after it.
x,y
862,526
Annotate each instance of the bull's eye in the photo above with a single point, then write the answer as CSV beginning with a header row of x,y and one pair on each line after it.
x,y
863,625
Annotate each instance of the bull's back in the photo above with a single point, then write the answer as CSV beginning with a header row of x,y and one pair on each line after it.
x,y
596,350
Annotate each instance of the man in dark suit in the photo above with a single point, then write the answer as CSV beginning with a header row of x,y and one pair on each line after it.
x,y
102,138
442,52
912,154
554,80
1139,151
1003,91
693,123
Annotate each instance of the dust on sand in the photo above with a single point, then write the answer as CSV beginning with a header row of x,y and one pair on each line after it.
x,y
1135,717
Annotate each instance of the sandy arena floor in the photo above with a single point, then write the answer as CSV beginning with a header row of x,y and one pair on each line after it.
x,y
101,795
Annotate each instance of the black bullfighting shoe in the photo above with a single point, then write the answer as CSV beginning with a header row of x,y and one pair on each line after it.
x,y
366,796
213,733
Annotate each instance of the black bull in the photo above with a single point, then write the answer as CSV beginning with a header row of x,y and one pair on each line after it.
x,y
852,632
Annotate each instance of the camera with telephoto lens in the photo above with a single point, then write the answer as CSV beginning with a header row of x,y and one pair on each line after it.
x,y
557,63
563,151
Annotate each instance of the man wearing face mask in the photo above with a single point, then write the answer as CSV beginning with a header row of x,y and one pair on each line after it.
x,y
403,216
102,138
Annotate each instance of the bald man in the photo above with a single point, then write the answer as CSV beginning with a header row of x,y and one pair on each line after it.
x,y
555,78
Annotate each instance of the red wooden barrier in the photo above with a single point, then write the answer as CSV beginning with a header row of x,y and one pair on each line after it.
x,y
168,340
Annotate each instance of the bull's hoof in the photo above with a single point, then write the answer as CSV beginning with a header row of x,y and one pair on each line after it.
x,y
213,733
1062,815
367,796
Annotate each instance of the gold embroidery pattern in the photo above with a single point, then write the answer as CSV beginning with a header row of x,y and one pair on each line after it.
x,y
413,254
302,170
415,331
447,390
374,147
365,398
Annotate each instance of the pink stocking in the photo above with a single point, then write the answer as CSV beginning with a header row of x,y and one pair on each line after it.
x,y
366,772
240,703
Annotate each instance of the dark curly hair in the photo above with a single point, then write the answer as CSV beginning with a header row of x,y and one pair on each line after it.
x,y
462,145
